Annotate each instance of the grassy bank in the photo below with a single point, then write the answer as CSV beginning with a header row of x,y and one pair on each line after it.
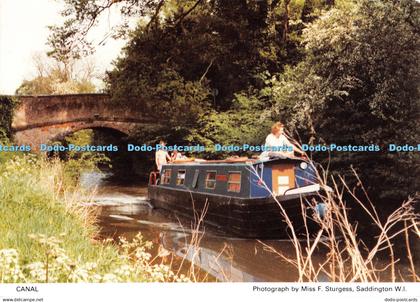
x,y
46,235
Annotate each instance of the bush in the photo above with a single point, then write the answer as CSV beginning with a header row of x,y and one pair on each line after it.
x,y
7,105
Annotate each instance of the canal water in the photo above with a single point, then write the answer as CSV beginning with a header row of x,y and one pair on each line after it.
x,y
123,210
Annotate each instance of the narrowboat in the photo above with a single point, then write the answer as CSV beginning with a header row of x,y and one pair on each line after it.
x,y
241,196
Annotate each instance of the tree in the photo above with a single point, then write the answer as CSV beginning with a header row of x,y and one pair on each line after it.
x,y
7,105
226,42
197,66
222,48
176,106
55,77
359,85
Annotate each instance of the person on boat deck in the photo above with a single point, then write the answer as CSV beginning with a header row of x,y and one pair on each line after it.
x,y
161,156
277,140
177,155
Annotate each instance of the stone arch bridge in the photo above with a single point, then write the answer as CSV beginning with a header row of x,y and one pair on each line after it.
x,y
42,119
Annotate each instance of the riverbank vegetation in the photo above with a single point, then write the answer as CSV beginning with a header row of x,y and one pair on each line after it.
x,y
59,76
347,255
7,103
220,72
47,235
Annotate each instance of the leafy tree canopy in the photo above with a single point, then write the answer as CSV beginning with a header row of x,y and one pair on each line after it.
x,y
220,71
358,84
54,77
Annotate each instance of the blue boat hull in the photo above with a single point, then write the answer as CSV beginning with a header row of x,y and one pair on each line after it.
x,y
235,216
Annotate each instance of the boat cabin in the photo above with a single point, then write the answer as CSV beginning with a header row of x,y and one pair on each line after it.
x,y
238,193
240,178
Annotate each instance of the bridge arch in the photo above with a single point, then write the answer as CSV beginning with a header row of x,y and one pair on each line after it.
x,y
123,129
47,134
41,119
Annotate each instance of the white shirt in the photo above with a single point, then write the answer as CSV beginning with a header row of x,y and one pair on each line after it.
x,y
279,146
161,156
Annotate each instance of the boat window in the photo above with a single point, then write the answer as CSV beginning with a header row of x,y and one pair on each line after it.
x,y
195,179
234,182
166,177
180,177
211,180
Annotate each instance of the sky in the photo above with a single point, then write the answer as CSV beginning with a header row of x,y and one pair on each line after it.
x,y
24,33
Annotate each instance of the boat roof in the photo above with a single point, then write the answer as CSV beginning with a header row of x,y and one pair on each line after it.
x,y
235,160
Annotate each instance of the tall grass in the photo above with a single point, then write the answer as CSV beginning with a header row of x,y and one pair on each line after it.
x,y
187,259
34,198
348,258
46,235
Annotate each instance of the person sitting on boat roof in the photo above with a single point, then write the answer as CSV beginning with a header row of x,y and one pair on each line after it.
x,y
277,144
161,156
177,155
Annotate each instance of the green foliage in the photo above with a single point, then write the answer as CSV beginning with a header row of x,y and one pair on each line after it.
x,y
175,105
54,85
46,234
79,162
221,44
7,105
59,76
359,85
29,205
246,123
189,62
191,72
344,72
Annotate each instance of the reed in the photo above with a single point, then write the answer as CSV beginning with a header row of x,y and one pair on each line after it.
x,y
347,257
185,261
